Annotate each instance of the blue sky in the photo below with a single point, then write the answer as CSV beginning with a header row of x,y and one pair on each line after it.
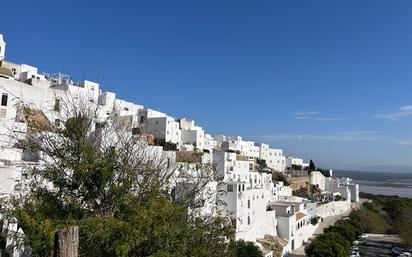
x,y
326,80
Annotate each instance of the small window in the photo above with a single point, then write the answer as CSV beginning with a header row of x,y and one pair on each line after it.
x,y
4,99
126,109
57,122
248,203
230,188
57,105
2,113
248,220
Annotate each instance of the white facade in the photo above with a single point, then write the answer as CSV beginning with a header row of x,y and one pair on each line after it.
x,y
162,126
294,214
192,134
2,48
244,196
293,162
274,158
236,144
280,190
317,178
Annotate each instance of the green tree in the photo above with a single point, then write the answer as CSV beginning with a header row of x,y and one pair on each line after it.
x,y
312,166
278,176
100,176
325,248
246,249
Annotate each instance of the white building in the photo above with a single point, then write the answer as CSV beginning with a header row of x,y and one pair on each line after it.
x,y
192,134
162,126
2,48
237,145
294,163
344,186
244,195
316,178
294,214
280,190
274,158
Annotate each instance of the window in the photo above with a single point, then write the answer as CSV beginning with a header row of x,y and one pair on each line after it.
x,y
243,187
141,119
248,220
2,113
57,122
248,203
57,105
230,188
4,99
126,109
240,188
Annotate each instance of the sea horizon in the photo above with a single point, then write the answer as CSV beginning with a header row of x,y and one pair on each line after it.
x,y
384,183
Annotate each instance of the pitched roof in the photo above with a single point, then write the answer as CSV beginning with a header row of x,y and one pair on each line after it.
x,y
299,215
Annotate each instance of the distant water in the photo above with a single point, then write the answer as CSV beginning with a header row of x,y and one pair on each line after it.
x,y
384,183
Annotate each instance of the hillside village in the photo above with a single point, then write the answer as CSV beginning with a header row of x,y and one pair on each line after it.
x,y
279,216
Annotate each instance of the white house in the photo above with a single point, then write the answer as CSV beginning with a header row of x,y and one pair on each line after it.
x,y
236,144
244,195
192,134
162,126
274,158
294,214
293,163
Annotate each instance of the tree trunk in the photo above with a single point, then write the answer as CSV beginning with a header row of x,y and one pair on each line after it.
x,y
66,242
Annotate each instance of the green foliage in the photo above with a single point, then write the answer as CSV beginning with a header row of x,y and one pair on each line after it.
x,y
325,248
119,198
391,214
370,221
336,240
246,249
278,176
312,166
314,220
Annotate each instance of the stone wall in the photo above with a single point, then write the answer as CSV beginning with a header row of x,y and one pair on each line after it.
x,y
296,183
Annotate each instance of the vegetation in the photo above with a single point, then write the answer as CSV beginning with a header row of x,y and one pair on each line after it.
x,y
383,214
309,191
336,240
325,172
278,176
386,214
106,182
246,249
339,198
312,166
314,220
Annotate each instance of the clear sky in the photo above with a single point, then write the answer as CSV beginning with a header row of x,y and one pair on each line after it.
x,y
327,80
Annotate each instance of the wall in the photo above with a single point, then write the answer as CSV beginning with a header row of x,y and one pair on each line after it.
x,y
296,183
332,208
